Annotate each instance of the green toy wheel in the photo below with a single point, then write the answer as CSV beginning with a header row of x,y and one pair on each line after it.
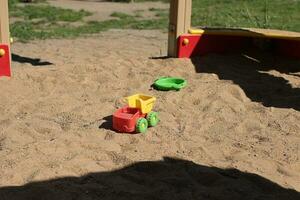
x,y
152,118
141,125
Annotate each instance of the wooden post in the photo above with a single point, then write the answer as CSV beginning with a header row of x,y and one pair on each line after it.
x,y
179,23
4,24
5,56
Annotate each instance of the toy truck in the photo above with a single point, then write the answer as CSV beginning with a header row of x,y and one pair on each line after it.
x,y
137,116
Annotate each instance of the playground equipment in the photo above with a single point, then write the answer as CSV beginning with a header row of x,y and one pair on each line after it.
x,y
185,41
5,56
136,116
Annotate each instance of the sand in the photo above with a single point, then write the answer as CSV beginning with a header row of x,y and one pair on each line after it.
x,y
233,131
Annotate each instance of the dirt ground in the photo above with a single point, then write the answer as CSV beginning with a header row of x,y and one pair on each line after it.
x,y
232,133
102,9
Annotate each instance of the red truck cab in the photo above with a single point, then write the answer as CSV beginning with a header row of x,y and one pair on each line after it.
x,y
124,119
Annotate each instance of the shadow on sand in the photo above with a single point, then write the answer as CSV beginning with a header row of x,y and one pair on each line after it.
x,y
250,72
32,61
167,179
107,123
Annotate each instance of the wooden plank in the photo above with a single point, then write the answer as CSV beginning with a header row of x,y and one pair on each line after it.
x,y
4,22
172,28
249,32
179,23
4,39
188,16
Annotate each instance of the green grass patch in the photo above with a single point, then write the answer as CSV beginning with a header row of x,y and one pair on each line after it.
x,y
26,31
46,12
276,14
50,13
121,15
42,21
162,13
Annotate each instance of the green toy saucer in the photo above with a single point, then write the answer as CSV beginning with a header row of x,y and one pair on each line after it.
x,y
169,83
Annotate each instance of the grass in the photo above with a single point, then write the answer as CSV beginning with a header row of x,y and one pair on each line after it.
x,y
137,1
42,21
49,13
275,14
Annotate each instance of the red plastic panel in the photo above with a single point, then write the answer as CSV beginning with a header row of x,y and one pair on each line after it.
x,y
124,119
186,51
5,61
190,45
204,44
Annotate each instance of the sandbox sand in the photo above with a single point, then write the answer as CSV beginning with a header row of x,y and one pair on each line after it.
x,y
236,112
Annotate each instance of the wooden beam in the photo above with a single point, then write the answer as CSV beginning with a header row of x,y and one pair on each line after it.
x,y
179,23
5,58
4,23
